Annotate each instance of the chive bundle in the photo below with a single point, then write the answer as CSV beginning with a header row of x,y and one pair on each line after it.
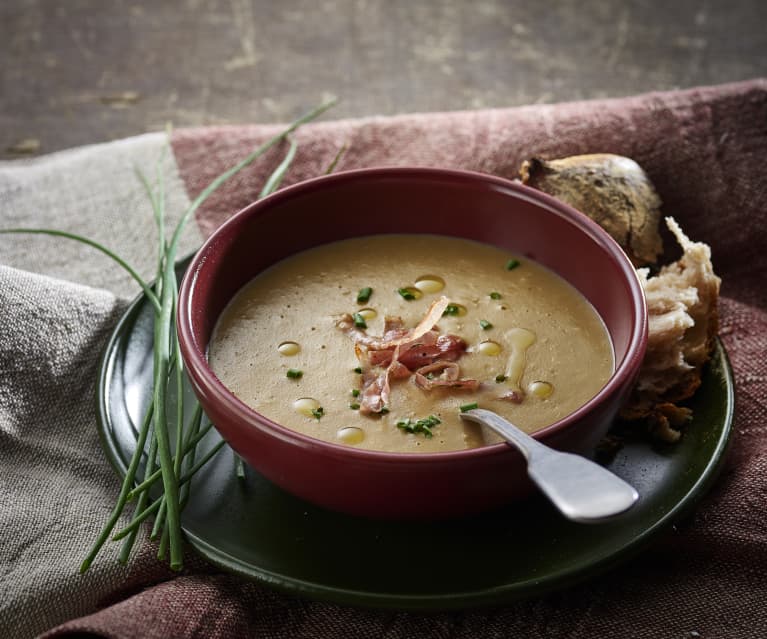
x,y
174,471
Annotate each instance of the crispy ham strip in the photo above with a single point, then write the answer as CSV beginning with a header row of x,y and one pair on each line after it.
x,y
375,393
427,323
397,370
346,324
386,376
438,347
394,328
425,350
448,376
421,350
513,396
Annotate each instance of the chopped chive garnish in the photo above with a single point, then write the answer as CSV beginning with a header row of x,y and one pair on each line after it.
x,y
294,373
495,295
358,369
354,406
499,379
384,410
364,294
452,309
406,295
359,321
485,325
423,426
355,392
512,264
318,412
466,407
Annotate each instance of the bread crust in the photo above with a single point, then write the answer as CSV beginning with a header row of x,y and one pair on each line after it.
x,y
612,190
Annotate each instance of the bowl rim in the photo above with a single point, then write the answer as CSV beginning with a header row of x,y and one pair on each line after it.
x,y
196,360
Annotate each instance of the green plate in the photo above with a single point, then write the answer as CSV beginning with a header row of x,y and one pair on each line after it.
x,y
254,529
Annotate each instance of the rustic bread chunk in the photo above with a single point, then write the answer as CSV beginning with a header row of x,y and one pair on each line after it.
x,y
683,320
682,298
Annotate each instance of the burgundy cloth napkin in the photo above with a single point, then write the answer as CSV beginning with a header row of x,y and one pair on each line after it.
x,y
705,149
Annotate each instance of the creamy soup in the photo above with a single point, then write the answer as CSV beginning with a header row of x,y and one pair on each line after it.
x,y
379,342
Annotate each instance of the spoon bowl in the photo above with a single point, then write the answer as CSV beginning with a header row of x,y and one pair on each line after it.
x,y
579,488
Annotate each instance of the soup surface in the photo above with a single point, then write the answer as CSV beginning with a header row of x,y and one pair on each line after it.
x,y
307,343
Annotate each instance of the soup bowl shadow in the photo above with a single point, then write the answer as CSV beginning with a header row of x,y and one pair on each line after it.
x,y
469,205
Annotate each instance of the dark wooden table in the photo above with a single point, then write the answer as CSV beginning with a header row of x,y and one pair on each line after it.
x,y
81,71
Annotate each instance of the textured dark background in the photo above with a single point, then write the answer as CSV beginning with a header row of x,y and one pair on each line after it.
x,y
80,71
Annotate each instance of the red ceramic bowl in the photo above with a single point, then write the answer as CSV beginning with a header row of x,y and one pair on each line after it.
x,y
406,200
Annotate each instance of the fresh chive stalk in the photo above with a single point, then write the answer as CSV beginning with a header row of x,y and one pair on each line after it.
x,y
175,471
468,407
188,454
337,158
155,506
122,498
158,208
141,504
274,181
84,240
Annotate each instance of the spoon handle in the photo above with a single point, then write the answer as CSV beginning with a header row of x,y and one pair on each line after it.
x,y
581,489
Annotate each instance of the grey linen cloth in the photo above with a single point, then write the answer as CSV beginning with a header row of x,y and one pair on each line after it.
x,y
58,303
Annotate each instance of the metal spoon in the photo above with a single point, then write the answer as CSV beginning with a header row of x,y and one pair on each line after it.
x,y
582,490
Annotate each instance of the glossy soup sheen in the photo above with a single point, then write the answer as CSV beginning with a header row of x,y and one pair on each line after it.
x,y
523,322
